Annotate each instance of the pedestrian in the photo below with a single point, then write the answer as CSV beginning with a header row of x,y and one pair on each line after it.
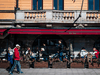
x,y
10,58
16,60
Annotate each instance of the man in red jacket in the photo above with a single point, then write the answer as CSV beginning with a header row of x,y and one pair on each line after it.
x,y
16,60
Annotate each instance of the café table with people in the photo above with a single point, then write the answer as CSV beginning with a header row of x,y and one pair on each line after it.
x,y
89,56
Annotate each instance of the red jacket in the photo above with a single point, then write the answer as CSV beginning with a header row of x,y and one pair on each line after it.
x,y
97,53
16,54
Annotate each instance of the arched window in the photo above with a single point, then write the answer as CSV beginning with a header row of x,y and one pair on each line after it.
x,y
93,4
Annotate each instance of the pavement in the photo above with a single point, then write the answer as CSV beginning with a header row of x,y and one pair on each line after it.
x,y
50,71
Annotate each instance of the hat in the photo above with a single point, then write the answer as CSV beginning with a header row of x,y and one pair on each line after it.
x,y
17,45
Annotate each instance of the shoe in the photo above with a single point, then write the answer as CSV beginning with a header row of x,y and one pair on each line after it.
x,y
21,72
10,73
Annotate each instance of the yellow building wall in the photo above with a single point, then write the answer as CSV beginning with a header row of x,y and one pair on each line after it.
x,y
25,4
47,4
70,5
7,16
7,4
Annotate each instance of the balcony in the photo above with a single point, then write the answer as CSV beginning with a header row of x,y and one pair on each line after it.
x,y
56,16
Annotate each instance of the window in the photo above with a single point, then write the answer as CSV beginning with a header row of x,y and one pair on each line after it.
x,y
37,4
55,5
61,3
34,4
40,4
97,4
93,4
58,4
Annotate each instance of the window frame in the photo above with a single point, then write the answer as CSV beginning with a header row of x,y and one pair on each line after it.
x,y
58,5
37,7
94,5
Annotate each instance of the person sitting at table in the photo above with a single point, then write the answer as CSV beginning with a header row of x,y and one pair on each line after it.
x,y
83,52
60,49
95,54
44,54
30,55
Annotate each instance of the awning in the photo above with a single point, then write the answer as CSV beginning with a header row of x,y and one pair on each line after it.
x,y
56,31
2,31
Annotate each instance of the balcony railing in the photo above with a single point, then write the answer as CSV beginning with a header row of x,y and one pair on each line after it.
x,y
57,16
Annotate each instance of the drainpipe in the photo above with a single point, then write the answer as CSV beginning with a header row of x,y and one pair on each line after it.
x,y
16,8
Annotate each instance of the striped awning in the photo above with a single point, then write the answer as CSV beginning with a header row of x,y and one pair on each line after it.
x,y
2,31
56,31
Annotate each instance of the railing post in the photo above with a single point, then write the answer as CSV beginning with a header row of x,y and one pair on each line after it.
x,y
19,15
83,16
75,15
49,15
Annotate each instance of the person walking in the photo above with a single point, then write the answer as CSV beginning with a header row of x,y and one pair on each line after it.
x,y
10,58
16,60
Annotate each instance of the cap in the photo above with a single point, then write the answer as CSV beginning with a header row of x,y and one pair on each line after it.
x,y
17,45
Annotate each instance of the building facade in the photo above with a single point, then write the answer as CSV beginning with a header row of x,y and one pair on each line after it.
x,y
26,21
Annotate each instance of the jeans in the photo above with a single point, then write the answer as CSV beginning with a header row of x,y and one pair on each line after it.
x,y
16,63
33,57
61,56
56,55
94,57
45,58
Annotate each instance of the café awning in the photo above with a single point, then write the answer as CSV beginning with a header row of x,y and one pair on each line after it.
x,y
2,31
56,31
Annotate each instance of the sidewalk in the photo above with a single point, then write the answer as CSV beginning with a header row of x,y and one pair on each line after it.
x,y
49,71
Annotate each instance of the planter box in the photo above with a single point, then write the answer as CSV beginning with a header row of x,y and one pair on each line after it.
x,y
77,65
59,65
95,65
25,65
4,65
41,64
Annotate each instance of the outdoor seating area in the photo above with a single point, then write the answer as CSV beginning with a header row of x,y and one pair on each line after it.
x,y
59,59
75,63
